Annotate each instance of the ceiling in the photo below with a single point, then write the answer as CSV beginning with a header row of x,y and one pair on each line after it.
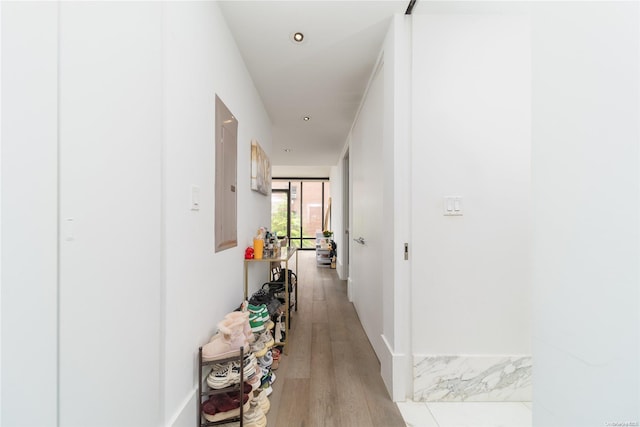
x,y
324,77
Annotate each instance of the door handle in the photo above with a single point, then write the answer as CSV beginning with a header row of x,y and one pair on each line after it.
x,y
359,240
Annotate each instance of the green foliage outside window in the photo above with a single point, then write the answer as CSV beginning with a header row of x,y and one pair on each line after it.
x,y
279,221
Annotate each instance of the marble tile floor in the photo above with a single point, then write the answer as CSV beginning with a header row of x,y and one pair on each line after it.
x,y
466,414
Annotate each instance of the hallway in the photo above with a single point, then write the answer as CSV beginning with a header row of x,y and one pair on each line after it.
x,y
488,153
328,343
331,376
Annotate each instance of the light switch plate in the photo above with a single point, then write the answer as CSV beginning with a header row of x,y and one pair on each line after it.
x,y
452,206
195,198
68,230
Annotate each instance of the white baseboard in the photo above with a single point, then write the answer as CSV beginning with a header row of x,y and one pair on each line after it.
x,y
393,369
493,378
340,270
186,414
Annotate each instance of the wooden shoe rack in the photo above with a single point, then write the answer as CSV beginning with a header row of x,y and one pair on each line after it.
x,y
204,391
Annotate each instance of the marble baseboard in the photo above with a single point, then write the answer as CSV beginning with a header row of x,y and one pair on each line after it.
x,y
472,378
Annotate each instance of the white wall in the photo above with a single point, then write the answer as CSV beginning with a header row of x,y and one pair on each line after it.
x,y
110,175
201,60
471,138
140,287
29,214
396,361
110,163
586,198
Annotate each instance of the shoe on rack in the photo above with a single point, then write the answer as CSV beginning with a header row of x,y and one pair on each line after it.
x,y
266,361
233,325
261,310
258,348
247,368
255,416
266,338
260,396
275,355
252,369
255,322
269,324
235,397
268,376
254,381
265,313
243,318
223,376
249,362
280,330
265,372
224,406
209,409
266,387
224,345
257,374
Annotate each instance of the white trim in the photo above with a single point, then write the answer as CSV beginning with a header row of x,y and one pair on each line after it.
x,y
340,269
394,376
185,406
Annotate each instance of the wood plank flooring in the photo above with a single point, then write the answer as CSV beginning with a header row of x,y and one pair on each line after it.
x,y
331,376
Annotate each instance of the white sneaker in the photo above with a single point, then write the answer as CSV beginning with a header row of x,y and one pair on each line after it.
x,y
260,396
254,417
223,376
279,332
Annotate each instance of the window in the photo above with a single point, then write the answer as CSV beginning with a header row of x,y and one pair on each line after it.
x,y
298,208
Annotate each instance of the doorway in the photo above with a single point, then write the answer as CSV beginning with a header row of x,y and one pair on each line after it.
x,y
367,239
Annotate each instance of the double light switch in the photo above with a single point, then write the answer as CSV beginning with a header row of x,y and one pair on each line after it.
x,y
453,206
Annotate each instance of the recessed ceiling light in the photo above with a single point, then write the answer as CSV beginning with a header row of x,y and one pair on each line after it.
x,y
297,37
306,118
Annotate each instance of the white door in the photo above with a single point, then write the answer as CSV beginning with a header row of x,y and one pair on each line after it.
x,y
365,272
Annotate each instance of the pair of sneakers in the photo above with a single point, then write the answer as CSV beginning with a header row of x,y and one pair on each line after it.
x,y
262,343
266,361
259,318
268,379
255,379
260,396
255,416
226,374
280,335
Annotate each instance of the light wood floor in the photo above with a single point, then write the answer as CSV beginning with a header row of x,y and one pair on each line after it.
x,y
331,376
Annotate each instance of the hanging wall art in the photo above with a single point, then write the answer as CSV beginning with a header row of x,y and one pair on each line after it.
x,y
260,169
